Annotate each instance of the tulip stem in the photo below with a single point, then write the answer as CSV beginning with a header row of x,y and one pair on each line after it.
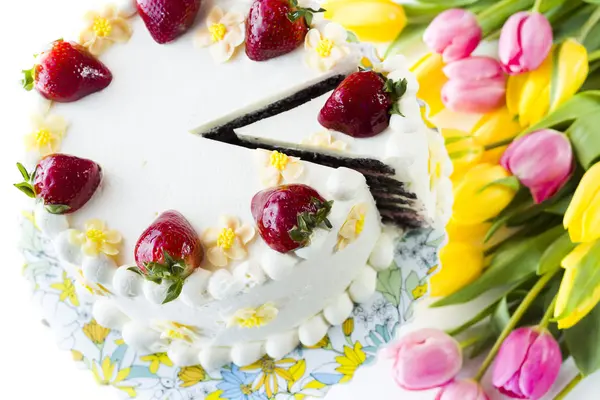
x,y
537,6
548,314
494,16
594,56
567,389
589,25
501,143
470,341
514,320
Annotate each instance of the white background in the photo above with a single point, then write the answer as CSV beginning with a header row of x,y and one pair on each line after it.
x,y
31,366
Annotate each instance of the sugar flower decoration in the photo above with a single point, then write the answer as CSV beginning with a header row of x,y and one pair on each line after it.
x,y
228,242
103,29
94,288
96,239
222,34
353,226
325,140
175,331
277,167
254,317
46,135
325,50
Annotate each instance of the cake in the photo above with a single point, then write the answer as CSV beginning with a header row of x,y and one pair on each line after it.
x,y
191,189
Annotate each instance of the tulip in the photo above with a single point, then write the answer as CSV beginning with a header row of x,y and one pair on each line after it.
x,y
466,389
582,218
479,196
454,34
492,128
542,160
527,364
463,149
431,78
570,264
425,359
573,68
461,263
525,42
476,85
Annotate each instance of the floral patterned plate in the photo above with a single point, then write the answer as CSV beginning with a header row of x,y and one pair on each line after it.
x,y
303,374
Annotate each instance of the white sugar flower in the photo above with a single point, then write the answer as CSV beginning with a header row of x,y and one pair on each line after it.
x,y
325,140
277,167
353,226
328,48
222,34
103,29
228,242
46,134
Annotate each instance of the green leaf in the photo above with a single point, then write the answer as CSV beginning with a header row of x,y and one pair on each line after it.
x,y
57,209
510,182
389,283
352,38
411,283
585,139
24,173
135,269
582,342
174,291
592,1
512,262
26,188
578,106
554,254
500,317
560,207
28,80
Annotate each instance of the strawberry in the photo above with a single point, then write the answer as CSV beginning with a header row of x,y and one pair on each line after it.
x,y
166,20
361,106
169,249
287,215
63,183
66,73
276,27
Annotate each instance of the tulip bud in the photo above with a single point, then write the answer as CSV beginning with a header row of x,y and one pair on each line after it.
x,y
542,160
454,34
582,218
527,364
492,128
425,359
462,390
525,42
476,85
461,264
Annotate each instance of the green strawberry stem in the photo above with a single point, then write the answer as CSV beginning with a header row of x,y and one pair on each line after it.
x,y
26,186
28,80
170,270
301,12
396,89
309,221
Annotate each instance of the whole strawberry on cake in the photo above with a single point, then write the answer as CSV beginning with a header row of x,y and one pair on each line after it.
x,y
224,176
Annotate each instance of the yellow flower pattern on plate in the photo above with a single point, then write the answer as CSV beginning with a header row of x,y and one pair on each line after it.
x,y
46,134
228,241
191,376
353,226
156,360
67,290
224,32
103,29
96,239
325,50
95,332
254,317
325,140
269,372
110,375
277,167
353,358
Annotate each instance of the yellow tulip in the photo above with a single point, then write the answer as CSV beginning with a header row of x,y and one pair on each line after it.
x,y
582,218
570,263
477,198
495,127
461,264
463,150
469,234
428,71
370,20
573,68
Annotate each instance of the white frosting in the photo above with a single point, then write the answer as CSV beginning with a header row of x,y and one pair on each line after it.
x,y
364,285
127,283
108,315
243,354
194,291
339,310
313,330
382,255
222,285
51,225
318,240
344,183
278,346
142,339
182,354
213,358
249,274
66,251
278,266
154,292
100,269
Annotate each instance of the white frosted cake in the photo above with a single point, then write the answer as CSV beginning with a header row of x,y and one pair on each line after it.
x,y
192,189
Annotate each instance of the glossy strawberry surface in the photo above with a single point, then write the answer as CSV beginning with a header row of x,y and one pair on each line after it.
x,y
67,73
359,106
166,20
276,212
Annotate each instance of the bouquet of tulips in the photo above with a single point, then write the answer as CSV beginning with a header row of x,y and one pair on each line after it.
x,y
526,218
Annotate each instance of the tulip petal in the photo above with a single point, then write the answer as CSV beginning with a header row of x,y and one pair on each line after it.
x,y
541,367
591,220
474,96
455,33
509,47
573,68
474,68
536,41
461,264
514,91
511,355
586,191
431,78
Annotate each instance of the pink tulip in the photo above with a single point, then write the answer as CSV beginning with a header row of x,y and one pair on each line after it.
x,y
462,390
454,33
527,364
475,85
425,359
542,161
525,42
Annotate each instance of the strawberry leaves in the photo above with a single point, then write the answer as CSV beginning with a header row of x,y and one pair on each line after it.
x,y
396,89
309,221
26,186
301,12
170,269
28,80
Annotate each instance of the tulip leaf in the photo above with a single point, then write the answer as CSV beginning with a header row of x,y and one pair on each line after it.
x,y
582,341
554,254
511,263
592,1
585,139
581,104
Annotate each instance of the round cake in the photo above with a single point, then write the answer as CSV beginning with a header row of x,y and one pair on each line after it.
x,y
227,178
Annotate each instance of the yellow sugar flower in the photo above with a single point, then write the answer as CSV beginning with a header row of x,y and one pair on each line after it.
x,y
325,140
175,331
269,373
222,34
96,239
67,290
353,226
228,242
110,375
326,49
95,332
191,376
431,78
582,218
104,28
350,361
156,360
277,167
46,134
254,317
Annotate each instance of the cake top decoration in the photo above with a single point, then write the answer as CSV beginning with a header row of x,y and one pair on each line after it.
x,y
224,32
228,242
103,29
326,49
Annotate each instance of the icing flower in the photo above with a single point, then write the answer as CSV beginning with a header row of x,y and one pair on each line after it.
x,y
94,288
325,140
254,317
96,239
228,242
326,49
353,226
223,33
103,29
47,133
176,331
277,167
